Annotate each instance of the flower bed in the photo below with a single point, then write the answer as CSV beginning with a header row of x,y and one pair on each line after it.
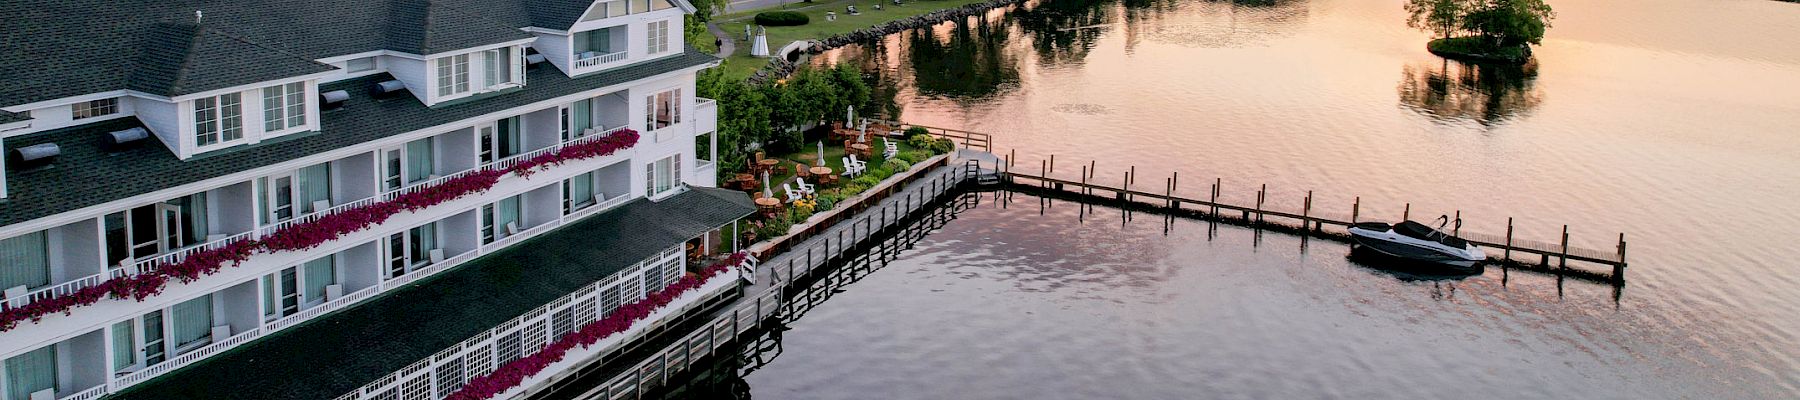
x,y
511,374
309,234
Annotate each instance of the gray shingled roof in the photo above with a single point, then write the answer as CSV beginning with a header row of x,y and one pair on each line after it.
x,y
7,117
107,175
62,48
328,357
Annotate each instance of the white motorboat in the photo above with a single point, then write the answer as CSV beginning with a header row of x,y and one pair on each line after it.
x,y
1415,241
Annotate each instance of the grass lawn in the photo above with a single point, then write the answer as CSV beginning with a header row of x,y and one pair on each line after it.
x,y
741,64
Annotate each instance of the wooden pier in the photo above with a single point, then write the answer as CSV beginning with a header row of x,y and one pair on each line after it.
x,y
1310,219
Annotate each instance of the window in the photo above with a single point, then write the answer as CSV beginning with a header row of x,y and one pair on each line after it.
x,y
579,193
218,119
497,67
360,64
305,191
320,274
90,109
31,372
658,37
154,352
500,140
453,75
662,175
409,164
24,261
156,228
662,109
495,218
596,42
281,294
193,321
703,148
581,118
124,351
284,106
411,249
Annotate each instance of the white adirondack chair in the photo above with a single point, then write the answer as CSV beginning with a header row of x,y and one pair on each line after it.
x,y
889,149
791,194
805,188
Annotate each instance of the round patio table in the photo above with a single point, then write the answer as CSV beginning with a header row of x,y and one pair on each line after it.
x,y
823,173
860,149
768,164
768,203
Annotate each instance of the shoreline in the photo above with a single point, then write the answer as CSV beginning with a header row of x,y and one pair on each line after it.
x,y
1450,48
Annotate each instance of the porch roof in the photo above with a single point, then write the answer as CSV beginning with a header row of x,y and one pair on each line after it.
x,y
335,354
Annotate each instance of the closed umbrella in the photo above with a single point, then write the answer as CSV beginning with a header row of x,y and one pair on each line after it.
x,y
821,161
766,191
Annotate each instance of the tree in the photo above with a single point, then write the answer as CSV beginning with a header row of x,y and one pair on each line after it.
x,y
1510,22
743,117
1442,16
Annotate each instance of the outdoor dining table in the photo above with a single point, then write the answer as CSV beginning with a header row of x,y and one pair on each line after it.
x,y
768,164
860,149
768,204
823,173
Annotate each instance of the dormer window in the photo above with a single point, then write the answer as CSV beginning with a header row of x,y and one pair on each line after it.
x,y
284,107
453,75
658,38
96,108
497,67
218,119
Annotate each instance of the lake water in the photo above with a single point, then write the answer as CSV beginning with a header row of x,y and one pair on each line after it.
x,y
1676,122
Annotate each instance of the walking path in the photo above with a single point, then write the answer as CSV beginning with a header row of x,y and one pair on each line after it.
x,y
726,44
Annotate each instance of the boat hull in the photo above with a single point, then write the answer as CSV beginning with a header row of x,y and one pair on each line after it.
x,y
1385,243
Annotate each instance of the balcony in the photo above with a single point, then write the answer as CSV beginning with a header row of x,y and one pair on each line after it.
x,y
590,59
426,325
706,115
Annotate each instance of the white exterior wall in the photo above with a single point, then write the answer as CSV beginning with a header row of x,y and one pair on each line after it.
x,y
163,118
413,72
63,115
557,49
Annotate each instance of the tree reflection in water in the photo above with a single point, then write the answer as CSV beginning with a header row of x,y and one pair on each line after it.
x,y
971,63
1488,94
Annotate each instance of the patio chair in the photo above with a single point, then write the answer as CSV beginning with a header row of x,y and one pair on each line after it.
x,y
800,170
791,194
860,164
804,187
849,168
889,149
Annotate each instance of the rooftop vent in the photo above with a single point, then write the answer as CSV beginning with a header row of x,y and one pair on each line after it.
x,y
125,137
386,89
35,155
533,60
333,99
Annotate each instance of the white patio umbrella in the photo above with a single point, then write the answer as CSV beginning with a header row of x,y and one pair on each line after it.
x,y
821,161
849,115
766,190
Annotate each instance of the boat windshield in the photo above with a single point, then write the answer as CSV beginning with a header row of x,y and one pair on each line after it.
x,y
1420,231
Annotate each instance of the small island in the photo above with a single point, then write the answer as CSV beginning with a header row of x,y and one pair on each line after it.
x,y
1481,30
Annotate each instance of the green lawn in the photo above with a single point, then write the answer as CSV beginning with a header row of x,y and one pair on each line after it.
x,y
741,64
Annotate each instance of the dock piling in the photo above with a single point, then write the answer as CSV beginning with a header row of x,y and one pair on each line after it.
x,y
1509,233
1355,209
1564,261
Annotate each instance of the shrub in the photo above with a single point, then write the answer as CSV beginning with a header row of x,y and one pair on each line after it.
x,y
852,188
773,227
896,165
866,181
919,140
781,18
942,146
880,173
914,156
915,131
798,215
827,201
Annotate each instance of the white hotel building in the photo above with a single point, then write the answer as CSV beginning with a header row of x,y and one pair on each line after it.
x,y
138,132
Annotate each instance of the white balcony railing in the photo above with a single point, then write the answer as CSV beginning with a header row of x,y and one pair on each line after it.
x,y
185,358
266,230
591,59
60,289
321,309
90,394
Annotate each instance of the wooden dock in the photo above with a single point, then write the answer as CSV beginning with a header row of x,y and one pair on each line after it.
x,y
1309,218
